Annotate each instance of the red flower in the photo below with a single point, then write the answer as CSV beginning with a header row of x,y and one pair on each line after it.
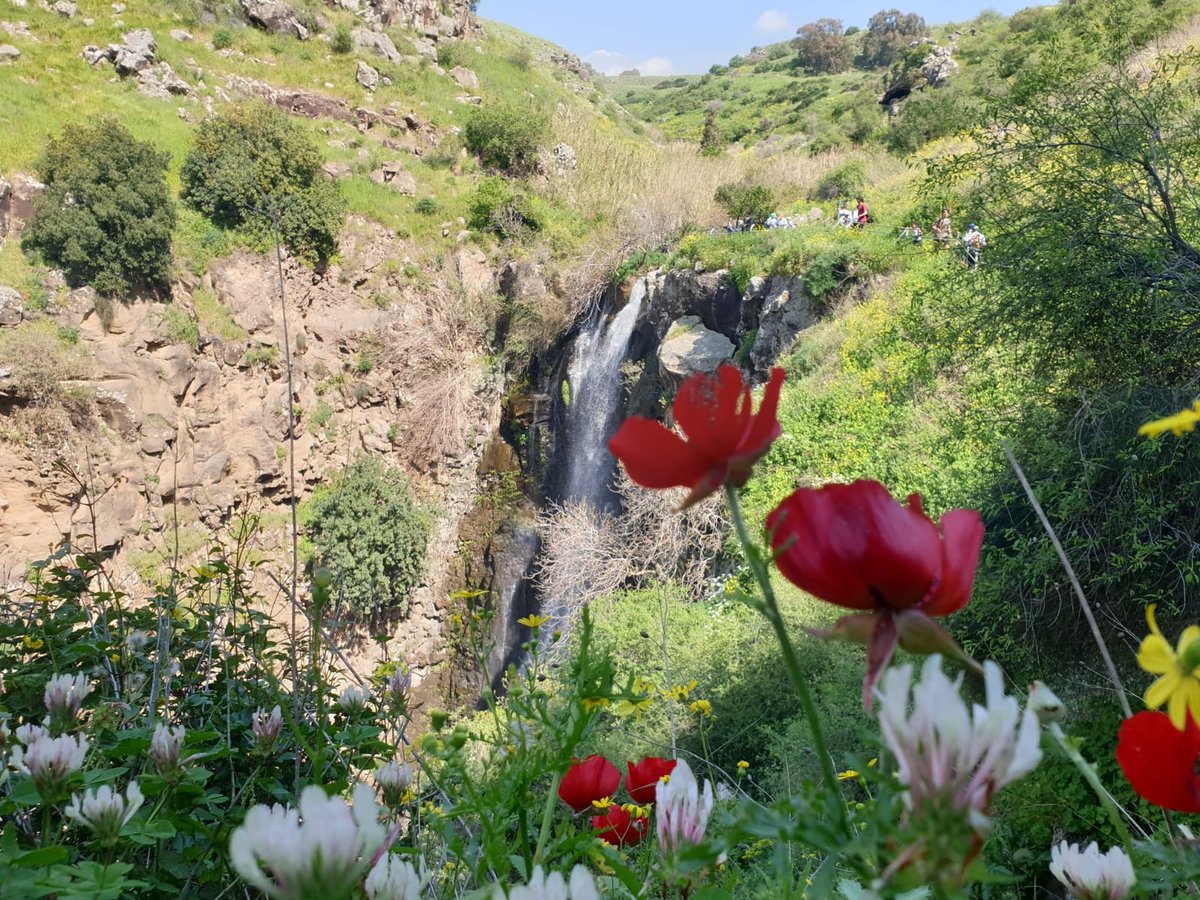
x,y
724,437
855,546
1160,760
590,779
619,828
643,779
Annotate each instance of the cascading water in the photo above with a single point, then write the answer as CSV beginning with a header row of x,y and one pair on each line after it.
x,y
594,377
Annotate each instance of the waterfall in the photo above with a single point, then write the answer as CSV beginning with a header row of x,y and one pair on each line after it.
x,y
594,377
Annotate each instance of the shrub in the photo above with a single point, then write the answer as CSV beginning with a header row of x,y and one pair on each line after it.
x,y
499,207
342,41
740,200
848,180
106,217
426,206
222,39
826,273
254,159
506,136
365,527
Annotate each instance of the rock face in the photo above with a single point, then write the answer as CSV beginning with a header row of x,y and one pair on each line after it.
x,y
161,82
135,53
938,66
11,309
690,348
276,17
377,42
783,310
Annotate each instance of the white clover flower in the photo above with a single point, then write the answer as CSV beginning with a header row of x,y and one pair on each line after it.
x,y
554,887
165,747
393,780
680,809
322,849
266,728
30,732
353,699
64,698
51,761
396,690
1092,875
393,878
105,811
5,734
948,754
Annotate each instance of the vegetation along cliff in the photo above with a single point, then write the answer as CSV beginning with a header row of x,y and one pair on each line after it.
x,y
376,439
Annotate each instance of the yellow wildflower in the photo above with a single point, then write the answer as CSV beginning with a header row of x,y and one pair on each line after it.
x,y
743,765
533,621
681,691
590,703
1178,684
602,803
42,598
637,812
847,775
643,697
701,708
32,643
1184,420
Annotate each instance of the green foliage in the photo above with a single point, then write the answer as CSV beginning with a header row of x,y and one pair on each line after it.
x,y
222,39
499,206
745,199
712,143
506,136
106,216
821,46
252,162
847,180
889,32
828,271
365,526
426,206
180,327
342,41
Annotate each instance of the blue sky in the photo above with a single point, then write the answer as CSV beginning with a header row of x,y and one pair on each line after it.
x,y
662,37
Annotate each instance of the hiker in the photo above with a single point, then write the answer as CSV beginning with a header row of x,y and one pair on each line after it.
x,y
914,233
943,234
845,216
772,221
863,215
973,244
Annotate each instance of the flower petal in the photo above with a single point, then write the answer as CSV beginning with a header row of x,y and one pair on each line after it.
x,y
1155,656
820,535
656,457
903,549
765,426
1159,760
962,538
879,653
1162,689
714,412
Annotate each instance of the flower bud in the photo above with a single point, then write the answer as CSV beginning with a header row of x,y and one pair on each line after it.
x,y
353,700
51,761
63,698
266,728
393,878
398,685
165,748
1044,703
393,781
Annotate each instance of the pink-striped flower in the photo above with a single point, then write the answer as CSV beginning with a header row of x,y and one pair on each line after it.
x,y
681,809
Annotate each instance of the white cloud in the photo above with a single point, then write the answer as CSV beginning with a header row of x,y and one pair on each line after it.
x,y
609,62
773,21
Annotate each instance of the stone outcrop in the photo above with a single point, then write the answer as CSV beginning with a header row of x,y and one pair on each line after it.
x,y
689,348
377,42
393,173
8,53
162,83
367,76
781,309
275,16
432,18
465,77
135,53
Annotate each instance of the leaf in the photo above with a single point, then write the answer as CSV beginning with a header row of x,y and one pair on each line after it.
x,y
43,856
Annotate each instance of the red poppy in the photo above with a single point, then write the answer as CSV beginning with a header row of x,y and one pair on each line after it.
x,y
619,828
855,546
643,779
1160,760
590,779
722,440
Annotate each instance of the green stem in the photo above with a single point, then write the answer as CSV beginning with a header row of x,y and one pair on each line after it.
x,y
547,820
1089,774
770,609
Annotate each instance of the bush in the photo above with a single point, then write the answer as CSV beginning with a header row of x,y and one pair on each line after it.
x,y
222,39
366,528
499,207
506,136
741,200
253,159
426,206
848,180
342,41
828,272
106,217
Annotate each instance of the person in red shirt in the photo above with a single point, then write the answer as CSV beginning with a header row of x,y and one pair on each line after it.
x,y
864,215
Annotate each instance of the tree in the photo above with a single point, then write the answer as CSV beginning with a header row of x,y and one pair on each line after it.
x,y
506,136
821,46
365,527
888,32
741,200
253,161
106,217
711,140
1093,217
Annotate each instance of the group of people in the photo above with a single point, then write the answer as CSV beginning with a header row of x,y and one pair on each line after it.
x,y
774,220
856,216
973,240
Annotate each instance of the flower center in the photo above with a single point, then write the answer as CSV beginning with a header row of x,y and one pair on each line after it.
x,y
1189,659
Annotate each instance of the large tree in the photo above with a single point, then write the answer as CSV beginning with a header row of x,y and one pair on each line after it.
x,y
821,46
888,32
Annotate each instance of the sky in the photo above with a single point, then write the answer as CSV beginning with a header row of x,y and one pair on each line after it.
x,y
668,37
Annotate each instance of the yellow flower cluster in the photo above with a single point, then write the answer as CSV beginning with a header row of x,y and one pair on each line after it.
x,y
701,708
643,698
681,692
1184,420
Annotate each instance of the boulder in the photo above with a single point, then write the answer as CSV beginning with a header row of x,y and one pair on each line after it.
x,y
377,42
336,170
465,77
8,53
94,55
367,76
11,308
276,17
474,270
137,52
5,203
393,173
161,82
689,348
66,8
181,35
